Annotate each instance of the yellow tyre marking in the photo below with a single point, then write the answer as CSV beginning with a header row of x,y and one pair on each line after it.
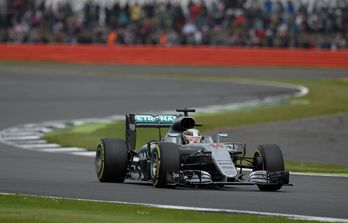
x,y
158,165
102,160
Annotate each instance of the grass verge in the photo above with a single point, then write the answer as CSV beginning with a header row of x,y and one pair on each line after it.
x,y
316,168
325,97
16,208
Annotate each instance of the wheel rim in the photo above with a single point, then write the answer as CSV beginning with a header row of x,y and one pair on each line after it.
x,y
98,160
258,162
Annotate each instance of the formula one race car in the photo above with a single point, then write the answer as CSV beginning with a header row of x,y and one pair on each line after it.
x,y
185,158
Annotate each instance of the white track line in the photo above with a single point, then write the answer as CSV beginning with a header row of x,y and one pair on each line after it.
x,y
86,153
38,146
27,142
24,136
214,210
18,136
63,150
319,174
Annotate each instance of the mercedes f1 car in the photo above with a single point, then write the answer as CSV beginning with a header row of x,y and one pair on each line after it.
x,y
172,161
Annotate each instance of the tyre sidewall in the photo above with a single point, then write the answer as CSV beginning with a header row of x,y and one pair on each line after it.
x,y
271,160
168,161
114,160
100,152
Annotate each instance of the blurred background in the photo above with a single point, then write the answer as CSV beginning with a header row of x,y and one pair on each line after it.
x,y
321,24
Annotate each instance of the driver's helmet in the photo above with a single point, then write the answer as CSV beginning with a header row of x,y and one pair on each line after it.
x,y
192,136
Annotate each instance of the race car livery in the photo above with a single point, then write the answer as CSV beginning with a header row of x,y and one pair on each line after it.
x,y
172,161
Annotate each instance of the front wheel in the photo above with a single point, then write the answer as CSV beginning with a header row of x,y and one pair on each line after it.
x,y
111,160
165,158
269,157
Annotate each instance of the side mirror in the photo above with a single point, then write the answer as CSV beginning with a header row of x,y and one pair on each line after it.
x,y
221,136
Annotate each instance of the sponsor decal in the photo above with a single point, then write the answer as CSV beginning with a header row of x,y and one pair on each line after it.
x,y
155,119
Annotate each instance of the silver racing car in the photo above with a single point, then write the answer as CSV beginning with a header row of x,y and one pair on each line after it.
x,y
184,157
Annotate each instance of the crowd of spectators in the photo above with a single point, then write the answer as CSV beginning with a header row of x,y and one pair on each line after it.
x,y
252,23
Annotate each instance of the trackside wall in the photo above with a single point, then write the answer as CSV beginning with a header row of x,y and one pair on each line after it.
x,y
193,56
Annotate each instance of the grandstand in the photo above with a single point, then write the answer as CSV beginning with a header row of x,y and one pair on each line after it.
x,y
250,23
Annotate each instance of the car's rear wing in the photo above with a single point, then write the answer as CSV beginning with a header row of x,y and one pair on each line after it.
x,y
134,121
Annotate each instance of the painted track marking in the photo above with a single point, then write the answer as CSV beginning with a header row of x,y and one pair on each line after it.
x,y
25,136
28,136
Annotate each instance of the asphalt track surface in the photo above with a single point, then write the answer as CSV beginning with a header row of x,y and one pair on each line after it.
x,y
312,140
32,92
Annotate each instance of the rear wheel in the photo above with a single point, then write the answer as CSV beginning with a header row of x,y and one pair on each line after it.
x,y
111,160
165,158
269,157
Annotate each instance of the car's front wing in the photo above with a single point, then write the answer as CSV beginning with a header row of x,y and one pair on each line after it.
x,y
198,177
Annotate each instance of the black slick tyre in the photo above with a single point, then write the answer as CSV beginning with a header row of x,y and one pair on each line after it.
x,y
111,160
165,158
269,157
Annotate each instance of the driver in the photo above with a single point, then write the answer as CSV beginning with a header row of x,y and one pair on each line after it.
x,y
192,136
